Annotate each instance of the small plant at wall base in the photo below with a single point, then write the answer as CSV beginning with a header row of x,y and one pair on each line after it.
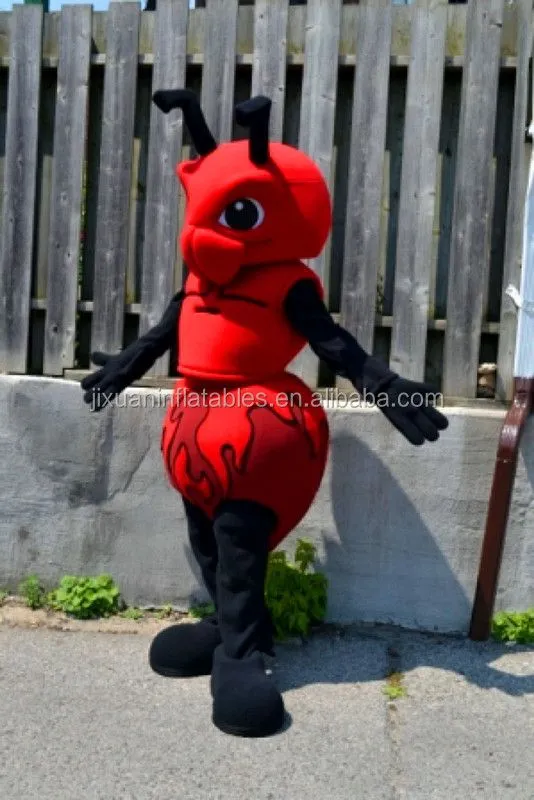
x,y
394,688
32,591
296,596
86,597
202,610
514,626
164,612
132,612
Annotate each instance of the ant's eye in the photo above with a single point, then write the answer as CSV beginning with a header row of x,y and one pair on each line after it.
x,y
242,215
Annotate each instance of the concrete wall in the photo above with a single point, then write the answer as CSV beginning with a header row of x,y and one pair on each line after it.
x,y
398,528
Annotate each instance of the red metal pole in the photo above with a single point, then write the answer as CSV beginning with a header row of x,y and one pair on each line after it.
x,y
499,508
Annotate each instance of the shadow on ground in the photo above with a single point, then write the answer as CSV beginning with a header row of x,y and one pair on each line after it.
x,y
355,655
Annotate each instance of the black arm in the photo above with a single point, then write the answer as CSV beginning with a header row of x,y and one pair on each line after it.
x,y
122,369
331,343
417,421
156,341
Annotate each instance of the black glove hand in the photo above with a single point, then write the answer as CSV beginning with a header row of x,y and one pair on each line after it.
x,y
407,405
103,385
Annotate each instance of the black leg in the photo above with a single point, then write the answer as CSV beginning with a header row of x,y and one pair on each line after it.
x,y
187,650
242,529
203,545
245,700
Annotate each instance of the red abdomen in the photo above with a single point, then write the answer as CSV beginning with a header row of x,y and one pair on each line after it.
x,y
266,442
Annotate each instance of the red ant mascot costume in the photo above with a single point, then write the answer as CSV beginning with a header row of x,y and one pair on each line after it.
x,y
243,440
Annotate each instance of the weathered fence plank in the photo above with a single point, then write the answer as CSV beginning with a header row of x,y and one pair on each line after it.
x,y
317,117
500,169
138,177
319,89
400,44
111,248
418,189
471,229
339,199
366,170
269,67
391,190
162,193
45,162
3,120
450,125
66,195
138,182
20,171
516,199
218,74
5,26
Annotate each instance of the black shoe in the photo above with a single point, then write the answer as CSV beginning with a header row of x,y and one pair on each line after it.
x,y
185,650
245,700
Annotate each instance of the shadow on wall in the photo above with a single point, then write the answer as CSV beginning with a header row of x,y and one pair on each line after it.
x,y
516,585
527,452
385,558
386,555
383,561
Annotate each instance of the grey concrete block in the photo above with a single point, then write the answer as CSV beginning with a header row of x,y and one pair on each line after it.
x,y
398,528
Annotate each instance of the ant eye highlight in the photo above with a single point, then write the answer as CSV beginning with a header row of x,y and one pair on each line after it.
x,y
243,214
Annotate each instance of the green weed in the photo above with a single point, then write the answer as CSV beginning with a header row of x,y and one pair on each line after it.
x,y
295,595
32,591
86,597
202,610
514,626
164,612
394,688
132,613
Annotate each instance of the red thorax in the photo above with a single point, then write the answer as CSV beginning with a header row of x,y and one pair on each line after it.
x,y
239,333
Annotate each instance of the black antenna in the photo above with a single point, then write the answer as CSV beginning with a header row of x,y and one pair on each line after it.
x,y
254,114
168,99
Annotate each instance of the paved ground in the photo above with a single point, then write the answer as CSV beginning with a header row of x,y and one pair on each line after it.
x,y
82,716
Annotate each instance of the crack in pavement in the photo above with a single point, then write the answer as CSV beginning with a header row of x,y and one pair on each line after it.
x,y
393,724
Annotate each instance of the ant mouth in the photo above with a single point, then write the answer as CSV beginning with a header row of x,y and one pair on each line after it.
x,y
207,310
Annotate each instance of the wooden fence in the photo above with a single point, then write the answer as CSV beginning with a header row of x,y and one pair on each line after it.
x,y
416,115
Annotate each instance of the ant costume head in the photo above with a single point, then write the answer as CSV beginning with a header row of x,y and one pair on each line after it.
x,y
249,202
